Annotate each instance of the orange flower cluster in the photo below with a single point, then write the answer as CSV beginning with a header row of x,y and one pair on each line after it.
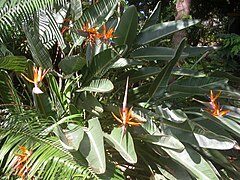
x,y
127,115
214,106
38,75
93,34
21,161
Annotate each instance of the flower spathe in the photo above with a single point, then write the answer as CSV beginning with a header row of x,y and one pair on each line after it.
x,y
38,75
20,165
125,115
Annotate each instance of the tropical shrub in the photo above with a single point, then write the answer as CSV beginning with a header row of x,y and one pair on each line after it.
x,y
82,61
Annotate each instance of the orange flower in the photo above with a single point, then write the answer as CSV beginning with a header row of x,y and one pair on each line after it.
x,y
125,115
91,32
38,75
214,107
21,161
106,36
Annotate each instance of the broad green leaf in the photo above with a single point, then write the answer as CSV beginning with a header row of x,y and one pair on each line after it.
x,y
195,164
127,28
102,62
158,31
197,51
227,75
14,63
89,103
72,64
177,116
166,141
193,133
92,147
154,16
225,122
76,9
155,53
98,85
161,81
40,54
126,148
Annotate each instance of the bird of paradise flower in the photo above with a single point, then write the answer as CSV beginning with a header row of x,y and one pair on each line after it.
x,y
214,106
38,75
126,116
21,161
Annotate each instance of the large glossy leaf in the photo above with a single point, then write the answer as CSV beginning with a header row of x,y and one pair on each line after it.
x,y
92,146
197,51
193,133
194,163
40,54
127,28
158,31
161,81
177,116
126,148
14,63
76,9
154,16
71,64
166,141
98,85
155,53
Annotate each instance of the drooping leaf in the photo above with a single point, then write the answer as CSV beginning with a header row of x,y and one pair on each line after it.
x,y
195,164
155,53
98,85
126,148
158,31
161,81
71,64
92,146
127,28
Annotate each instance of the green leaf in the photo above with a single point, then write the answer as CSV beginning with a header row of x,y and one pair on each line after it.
x,y
155,53
98,85
127,28
194,163
92,147
154,16
126,148
193,133
161,81
158,31
14,63
197,51
166,141
76,9
72,64
177,116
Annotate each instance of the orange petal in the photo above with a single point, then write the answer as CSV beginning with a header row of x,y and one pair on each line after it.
x,y
119,120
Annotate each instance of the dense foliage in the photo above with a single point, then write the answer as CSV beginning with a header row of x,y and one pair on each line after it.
x,y
68,67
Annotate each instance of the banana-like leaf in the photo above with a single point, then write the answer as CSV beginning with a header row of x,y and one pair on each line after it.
x,y
127,28
225,122
102,62
9,95
154,16
76,9
166,141
161,81
98,85
72,64
89,103
195,164
40,54
92,147
14,63
197,51
126,148
177,116
155,53
158,31
193,133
